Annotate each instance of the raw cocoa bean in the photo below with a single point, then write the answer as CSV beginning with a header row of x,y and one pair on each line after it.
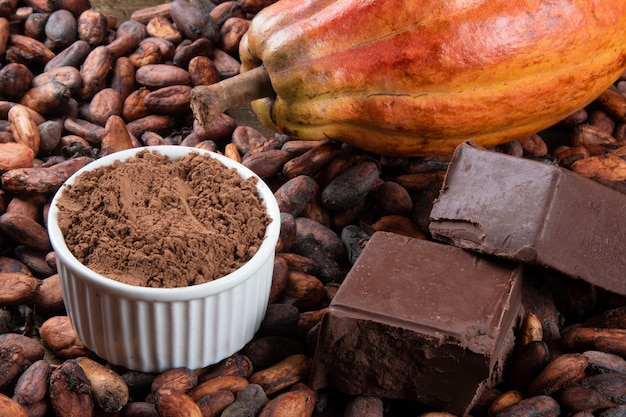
x,y
15,155
311,234
280,320
363,406
163,27
280,274
49,298
124,44
614,103
48,98
152,122
312,161
602,362
72,56
235,365
94,71
92,27
594,393
214,403
530,359
109,390
15,80
31,348
602,120
563,370
74,6
61,29
145,14
179,379
308,320
24,127
57,333
35,24
70,391
303,290
25,231
153,139
35,261
231,33
17,288
202,71
10,408
537,406
601,167
171,100
226,65
134,107
201,47
155,76
32,385
343,218
104,104
232,383
221,128
266,164
283,374
297,262
193,20
588,136
247,138
421,181
91,132
27,50
152,50
393,198
504,400
255,6
266,351
247,403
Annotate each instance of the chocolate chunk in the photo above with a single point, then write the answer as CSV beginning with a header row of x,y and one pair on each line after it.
x,y
535,213
421,321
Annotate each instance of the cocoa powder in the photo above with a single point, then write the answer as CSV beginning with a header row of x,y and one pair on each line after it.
x,y
158,223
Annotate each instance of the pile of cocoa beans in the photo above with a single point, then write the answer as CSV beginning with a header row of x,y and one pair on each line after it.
x,y
75,85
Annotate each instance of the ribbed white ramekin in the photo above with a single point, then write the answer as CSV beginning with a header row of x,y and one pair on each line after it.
x,y
154,329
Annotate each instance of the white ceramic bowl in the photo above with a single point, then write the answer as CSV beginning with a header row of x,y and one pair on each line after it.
x,y
154,329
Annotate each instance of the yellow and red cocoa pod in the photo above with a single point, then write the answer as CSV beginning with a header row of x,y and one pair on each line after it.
x,y
614,103
47,98
109,390
266,164
233,383
564,369
504,400
312,161
171,100
70,391
231,33
303,290
528,361
393,198
73,56
594,393
531,329
89,131
92,27
155,76
17,288
57,333
398,224
24,127
25,231
601,167
68,75
49,298
61,29
32,385
185,53
163,27
30,348
116,136
179,379
10,408
172,403
153,122
15,80
24,49
134,107
145,14
537,406
202,71
152,50
289,371
214,403
104,104
15,155
94,71
248,402
221,128
280,275
234,365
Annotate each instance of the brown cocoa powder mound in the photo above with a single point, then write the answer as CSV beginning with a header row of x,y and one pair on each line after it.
x,y
158,223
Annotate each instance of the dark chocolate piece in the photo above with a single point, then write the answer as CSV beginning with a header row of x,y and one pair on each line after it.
x,y
535,213
419,320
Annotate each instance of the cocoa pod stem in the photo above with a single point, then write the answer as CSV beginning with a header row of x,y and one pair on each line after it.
x,y
209,101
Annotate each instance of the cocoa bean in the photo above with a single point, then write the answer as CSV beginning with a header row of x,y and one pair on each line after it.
x,y
116,136
297,262
226,65
247,403
221,128
32,385
70,391
594,393
312,161
266,351
152,122
15,155
163,27
171,100
280,320
235,365
49,298
11,408
94,71
614,103
134,106
194,21
24,127
280,275
201,47
537,406
27,50
303,290
214,403
563,370
109,390
155,76
363,406
17,288
232,383
30,348
178,379
61,29
603,362
529,360
283,374
104,104
145,14
25,231
601,167
152,50
202,71
15,80
92,27
72,56
266,164
57,333
231,33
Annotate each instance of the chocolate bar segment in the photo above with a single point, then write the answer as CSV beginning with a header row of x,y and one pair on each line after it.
x,y
419,320
535,213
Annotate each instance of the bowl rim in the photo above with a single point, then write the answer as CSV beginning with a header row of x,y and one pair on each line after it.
x,y
173,152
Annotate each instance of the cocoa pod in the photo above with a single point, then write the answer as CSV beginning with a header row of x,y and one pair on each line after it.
x,y
248,402
537,406
10,408
193,20
163,27
602,362
266,351
178,379
32,385
529,360
614,103
70,391
503,401
15,80
231,383
17,288
234,365
303,290
30,348
72,56
61,29
26,50
155,76
109,390
58,335
202,71
104,104
214,403
94,71
283,374
115,137
564,369
49,298
25,231
601,167
15,155
312,161
594,393
266,164
201,47
172,100
24,127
